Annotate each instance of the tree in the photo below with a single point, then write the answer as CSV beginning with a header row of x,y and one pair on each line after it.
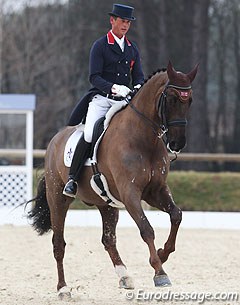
x,y
199,130
236,47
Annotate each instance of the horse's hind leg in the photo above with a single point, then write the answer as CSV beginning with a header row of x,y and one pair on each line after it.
x,y
58,209
110,219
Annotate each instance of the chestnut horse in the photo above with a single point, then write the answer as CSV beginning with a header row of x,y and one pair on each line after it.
x,y
134,159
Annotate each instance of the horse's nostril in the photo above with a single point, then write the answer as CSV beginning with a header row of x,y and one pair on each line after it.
x,y
173,145
176,146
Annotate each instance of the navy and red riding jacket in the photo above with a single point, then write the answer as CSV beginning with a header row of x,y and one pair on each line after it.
x,y
108,65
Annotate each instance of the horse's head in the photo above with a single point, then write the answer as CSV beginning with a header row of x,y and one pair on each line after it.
x,y
174,105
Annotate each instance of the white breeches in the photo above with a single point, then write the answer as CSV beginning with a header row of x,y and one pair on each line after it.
x,y
97,108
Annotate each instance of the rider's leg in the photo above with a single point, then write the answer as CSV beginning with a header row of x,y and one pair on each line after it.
x,y
97,109
79,158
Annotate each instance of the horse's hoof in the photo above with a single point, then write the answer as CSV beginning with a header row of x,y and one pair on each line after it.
x,y
64,293
126,282
161,280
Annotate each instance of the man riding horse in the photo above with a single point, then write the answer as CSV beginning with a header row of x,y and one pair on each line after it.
x,y
114,67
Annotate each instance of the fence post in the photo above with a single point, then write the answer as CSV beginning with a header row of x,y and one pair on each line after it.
x,y
16,134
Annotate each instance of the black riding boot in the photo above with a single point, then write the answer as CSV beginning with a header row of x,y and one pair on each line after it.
x,y
79,158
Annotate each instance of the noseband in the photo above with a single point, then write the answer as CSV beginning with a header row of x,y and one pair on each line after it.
x,y
183,96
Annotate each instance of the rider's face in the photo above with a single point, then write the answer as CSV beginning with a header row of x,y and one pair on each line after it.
x,y
120,26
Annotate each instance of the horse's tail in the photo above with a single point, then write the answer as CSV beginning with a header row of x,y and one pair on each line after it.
x,y
40,212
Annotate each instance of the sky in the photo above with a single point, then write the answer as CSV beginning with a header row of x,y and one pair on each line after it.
x,y
15,5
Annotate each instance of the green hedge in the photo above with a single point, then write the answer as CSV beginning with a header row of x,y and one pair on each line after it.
x,y
198,191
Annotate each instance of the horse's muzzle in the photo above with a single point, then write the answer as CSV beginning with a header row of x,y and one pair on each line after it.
x,y
177,145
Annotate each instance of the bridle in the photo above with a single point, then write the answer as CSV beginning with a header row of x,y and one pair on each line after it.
x,y
183,92
161,129
183,96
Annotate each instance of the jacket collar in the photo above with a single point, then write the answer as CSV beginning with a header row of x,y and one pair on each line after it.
x,y
111,39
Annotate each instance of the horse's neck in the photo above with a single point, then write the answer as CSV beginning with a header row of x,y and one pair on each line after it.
x,y
146,101
143,115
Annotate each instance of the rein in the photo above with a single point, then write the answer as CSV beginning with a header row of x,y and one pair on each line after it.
x,y
155,127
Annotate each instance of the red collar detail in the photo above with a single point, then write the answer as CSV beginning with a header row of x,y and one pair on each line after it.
x,y
128,42
111,39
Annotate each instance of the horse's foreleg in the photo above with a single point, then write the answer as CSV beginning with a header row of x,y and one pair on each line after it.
x,y
133,205
168,205
109,220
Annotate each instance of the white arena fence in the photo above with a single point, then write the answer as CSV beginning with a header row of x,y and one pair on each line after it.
x,y
158,219
13,185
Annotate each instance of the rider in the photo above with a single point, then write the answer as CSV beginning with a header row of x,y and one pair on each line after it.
x,y
114,66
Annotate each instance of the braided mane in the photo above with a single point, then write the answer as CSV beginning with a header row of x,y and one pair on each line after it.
x,y
154,73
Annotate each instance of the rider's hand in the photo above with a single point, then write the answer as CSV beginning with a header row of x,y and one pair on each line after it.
x,y
120,90
138,86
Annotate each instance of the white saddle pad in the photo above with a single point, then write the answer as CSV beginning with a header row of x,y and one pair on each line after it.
x,y
71,145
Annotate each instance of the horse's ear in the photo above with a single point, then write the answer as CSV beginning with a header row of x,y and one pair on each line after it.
x,y
170,70
191,75
169,66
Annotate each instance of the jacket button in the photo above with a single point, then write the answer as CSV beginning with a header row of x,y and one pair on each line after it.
x,y
126,62
118,74
126,74
119,62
